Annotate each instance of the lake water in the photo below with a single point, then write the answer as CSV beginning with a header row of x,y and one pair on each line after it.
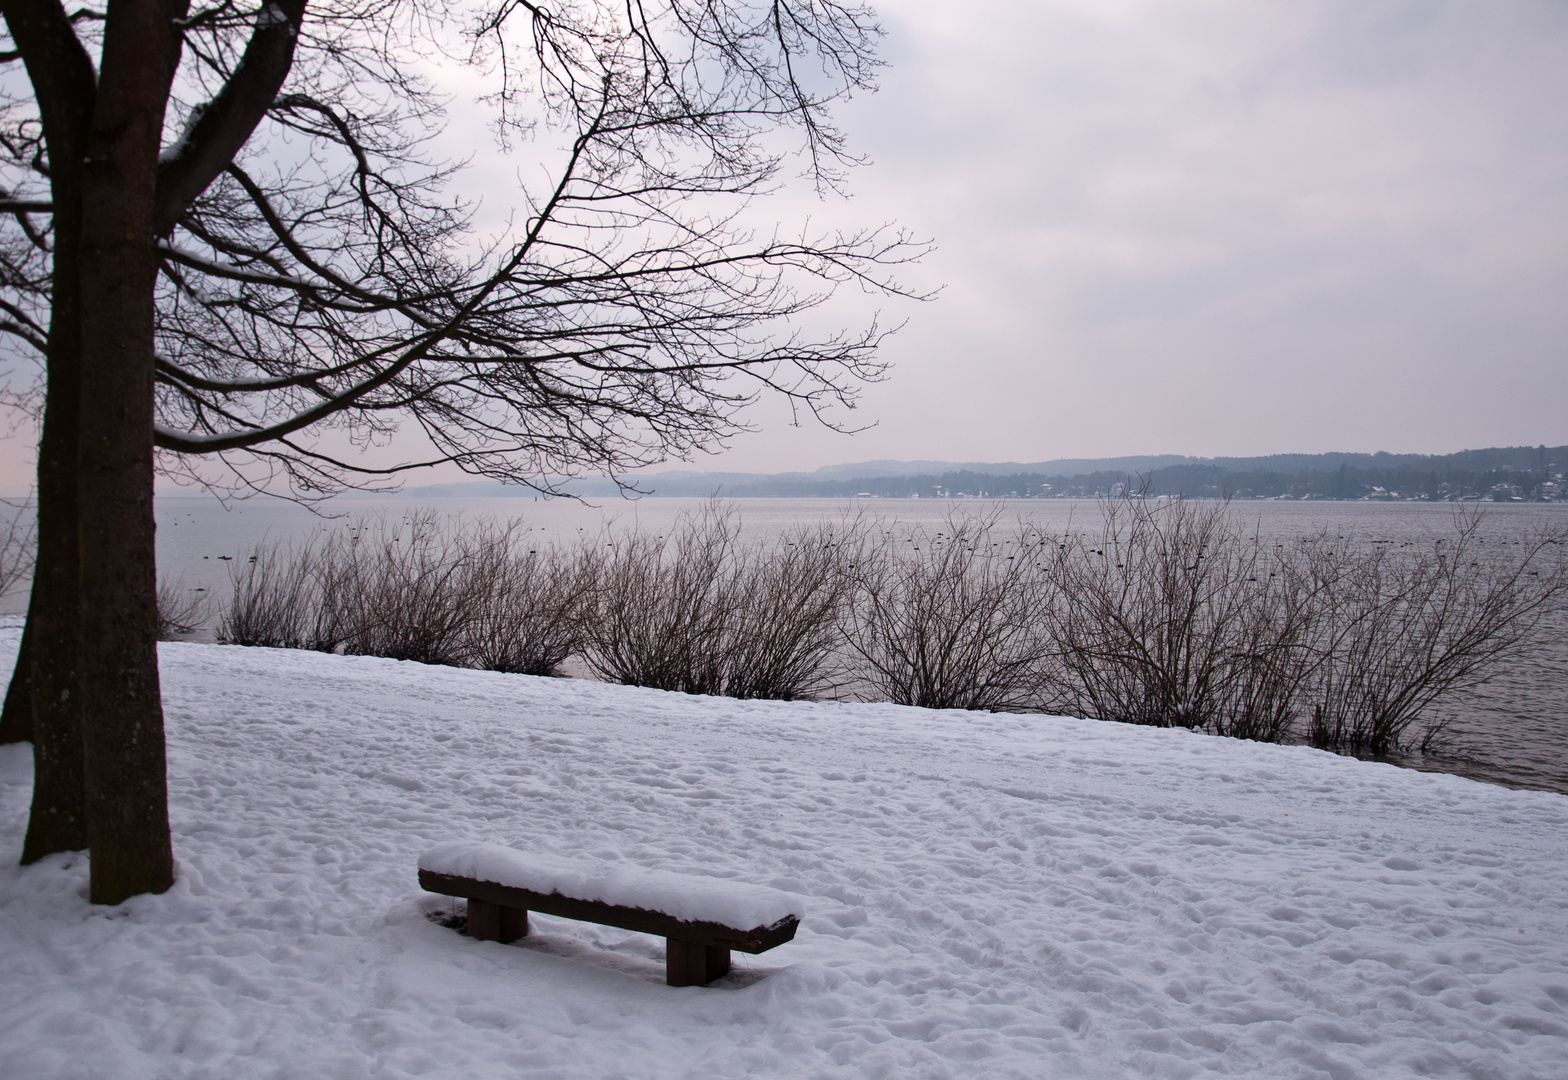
x,y
1513,731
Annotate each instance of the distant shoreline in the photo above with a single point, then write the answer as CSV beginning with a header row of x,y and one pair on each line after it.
x,y
1499,474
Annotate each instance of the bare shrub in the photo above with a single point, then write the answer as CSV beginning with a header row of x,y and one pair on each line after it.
x,y
415,588
1274,646
181,611
786,602
1409,627
662,606
948,620
695,612
401,589
529,602
281,597
1173,616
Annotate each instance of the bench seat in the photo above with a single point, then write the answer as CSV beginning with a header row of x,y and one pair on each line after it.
x,y
701,918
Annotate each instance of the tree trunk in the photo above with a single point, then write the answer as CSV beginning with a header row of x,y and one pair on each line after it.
x,y
57,821
125,770
63,77
16,718
90,661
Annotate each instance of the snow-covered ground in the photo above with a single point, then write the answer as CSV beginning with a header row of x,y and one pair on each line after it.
x,y
986,895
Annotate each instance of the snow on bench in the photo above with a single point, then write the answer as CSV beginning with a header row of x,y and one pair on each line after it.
x,y
701,918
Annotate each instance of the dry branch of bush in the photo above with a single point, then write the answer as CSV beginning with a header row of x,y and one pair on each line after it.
x,y
402,590
1412,626
662,606
180,610
949,619
1170,613
1174,615
18,546
280,598
529,602
417,588
698,612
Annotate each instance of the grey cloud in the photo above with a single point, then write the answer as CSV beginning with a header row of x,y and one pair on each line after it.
x,y
1226,227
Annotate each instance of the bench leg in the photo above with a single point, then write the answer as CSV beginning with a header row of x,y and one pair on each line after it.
x,y
688,964
492,922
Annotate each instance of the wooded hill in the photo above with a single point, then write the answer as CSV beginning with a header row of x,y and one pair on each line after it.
x,y
1524,472
1508,472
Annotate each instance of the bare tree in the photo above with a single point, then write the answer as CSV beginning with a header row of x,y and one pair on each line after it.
x,y
212,293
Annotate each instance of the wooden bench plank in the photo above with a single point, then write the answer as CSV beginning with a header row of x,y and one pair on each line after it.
x,y
693,898
754,940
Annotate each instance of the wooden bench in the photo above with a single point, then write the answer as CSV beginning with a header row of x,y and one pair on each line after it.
x,y
701,919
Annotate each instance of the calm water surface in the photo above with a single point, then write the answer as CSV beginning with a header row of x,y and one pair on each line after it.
x,y
1512,731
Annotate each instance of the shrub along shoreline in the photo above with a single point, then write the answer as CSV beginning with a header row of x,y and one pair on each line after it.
x,y
1166,613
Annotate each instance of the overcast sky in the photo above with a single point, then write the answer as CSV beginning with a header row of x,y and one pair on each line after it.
x,y
1208,227
1218,228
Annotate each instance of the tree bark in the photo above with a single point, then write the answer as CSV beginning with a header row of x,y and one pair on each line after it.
x,y
122,731
57,820
63,79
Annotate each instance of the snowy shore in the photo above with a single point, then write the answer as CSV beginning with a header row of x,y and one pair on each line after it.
x,y
987,895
